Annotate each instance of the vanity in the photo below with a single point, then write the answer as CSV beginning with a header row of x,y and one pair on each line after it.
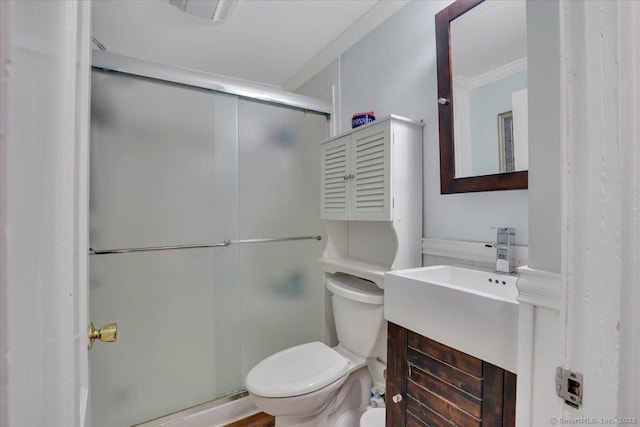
x,y
452,347
433,384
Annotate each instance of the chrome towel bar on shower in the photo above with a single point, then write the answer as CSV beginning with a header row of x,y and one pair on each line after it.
x,y
278,239
200,246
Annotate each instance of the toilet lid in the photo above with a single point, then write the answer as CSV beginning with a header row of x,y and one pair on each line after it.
x,y
356,289
297,370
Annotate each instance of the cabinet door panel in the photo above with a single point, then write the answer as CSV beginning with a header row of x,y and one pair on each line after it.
x,y
335,157
432,384
370,167
457,378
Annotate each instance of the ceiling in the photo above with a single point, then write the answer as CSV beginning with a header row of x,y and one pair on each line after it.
x,y
267,41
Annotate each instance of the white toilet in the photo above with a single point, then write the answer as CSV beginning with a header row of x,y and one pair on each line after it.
x,y
313,385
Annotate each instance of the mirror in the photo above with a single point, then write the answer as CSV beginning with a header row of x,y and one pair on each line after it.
x,y
482,95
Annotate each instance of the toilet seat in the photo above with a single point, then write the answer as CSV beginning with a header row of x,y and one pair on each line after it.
x,y
297,370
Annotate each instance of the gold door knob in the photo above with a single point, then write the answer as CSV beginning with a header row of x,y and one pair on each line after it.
x,y
108,333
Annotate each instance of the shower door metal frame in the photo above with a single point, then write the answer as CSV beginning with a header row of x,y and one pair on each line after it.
x,y
107,61
242,88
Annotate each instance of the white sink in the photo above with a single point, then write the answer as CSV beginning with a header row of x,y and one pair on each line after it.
x,y
473,311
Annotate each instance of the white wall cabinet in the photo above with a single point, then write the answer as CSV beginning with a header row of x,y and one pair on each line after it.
x,y
356,174
371,190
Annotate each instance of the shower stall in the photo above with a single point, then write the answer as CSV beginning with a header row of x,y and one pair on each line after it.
x,y
204,234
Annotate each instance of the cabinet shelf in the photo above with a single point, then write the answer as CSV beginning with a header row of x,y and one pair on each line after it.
x,y
366,270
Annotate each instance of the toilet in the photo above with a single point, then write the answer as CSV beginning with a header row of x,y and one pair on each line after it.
x,y
314,385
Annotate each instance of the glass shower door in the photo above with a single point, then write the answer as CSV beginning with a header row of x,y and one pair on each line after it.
x,y
173,165
163,173
282,286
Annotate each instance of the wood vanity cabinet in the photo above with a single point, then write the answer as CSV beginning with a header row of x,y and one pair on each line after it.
x,y
430,384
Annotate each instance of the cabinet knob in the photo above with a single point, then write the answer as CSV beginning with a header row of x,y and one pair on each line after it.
x,y
397,398
346,177
443,101
351,176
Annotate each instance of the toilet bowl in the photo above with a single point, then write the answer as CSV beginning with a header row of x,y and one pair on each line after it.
x,y
314,385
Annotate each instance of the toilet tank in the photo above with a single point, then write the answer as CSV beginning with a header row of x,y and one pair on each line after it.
x,y
359,315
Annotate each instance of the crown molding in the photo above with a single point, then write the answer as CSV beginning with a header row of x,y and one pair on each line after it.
x,y
496,74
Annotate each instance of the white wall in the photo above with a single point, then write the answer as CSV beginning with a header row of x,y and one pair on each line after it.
x,y
543,53
393,70
629,392
44,57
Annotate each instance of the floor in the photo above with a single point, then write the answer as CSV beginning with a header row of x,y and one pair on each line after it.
x,y
257,420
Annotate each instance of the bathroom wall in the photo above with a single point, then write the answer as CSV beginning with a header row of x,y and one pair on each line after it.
x,y
543,52
393,70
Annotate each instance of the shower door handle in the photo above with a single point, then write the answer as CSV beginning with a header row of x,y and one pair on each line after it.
x,y
108,333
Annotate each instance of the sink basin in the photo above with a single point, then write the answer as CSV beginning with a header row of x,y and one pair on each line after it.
x,y
473,311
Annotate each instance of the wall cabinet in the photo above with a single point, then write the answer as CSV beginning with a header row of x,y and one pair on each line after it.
x,y
429,383
371,198
359,169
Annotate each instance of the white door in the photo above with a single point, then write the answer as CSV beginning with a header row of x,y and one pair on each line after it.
x,y
44,117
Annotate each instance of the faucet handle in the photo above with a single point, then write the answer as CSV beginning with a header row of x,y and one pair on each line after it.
x,y
509,230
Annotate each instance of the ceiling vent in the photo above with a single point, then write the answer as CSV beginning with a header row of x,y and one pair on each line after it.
x,y
214,10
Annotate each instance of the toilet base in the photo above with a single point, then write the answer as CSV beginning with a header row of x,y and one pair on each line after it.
x,y
343,410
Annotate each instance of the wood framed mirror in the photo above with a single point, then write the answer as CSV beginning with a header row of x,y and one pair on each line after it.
x,y
482,98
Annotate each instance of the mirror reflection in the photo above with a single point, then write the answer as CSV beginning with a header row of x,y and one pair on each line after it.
x,y
488,53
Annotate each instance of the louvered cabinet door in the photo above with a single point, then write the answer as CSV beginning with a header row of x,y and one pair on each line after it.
x,y
335,164
370,168
431,384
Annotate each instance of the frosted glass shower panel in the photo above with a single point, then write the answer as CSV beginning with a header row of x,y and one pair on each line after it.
x,y
280,282
166,357
279,175
153,161
164,166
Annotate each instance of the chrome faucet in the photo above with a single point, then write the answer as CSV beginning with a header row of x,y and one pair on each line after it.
x,y
505,242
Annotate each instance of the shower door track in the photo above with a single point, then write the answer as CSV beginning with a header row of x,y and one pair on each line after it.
x,y
123,64
185,414
198,246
